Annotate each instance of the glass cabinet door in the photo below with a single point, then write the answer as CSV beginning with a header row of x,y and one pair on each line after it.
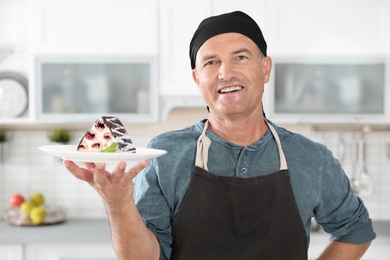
x,y
75,88
318,90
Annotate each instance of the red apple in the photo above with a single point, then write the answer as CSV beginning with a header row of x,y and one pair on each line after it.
x,y
15,200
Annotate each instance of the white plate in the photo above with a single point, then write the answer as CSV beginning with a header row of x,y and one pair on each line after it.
x,y
13,94
70,152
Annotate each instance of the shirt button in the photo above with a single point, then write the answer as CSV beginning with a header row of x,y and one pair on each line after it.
x,y
244,170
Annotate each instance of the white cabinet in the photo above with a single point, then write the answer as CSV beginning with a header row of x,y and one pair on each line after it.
x,y
69,252
94,27
254,8
178,22
307,27
76,89
11,252
329,90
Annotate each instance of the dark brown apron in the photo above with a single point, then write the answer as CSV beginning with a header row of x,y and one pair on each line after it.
x,y
238,218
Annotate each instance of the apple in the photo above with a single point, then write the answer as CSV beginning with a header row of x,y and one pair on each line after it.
x,y
37,215
37,199
26,207
16,200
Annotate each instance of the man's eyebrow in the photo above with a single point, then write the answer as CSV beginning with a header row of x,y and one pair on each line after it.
x,y
208,57
213,56
242,50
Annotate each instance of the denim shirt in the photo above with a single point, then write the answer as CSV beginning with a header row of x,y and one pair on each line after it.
x,y
320,186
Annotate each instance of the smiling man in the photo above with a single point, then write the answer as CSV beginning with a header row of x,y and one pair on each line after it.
x,y
234,185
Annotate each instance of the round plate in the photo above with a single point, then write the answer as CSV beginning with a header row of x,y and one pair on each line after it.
x,y
70,152
13,94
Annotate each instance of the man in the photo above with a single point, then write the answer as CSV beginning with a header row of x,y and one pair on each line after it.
x,y
234,186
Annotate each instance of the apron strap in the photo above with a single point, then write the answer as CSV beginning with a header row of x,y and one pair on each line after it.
x,y
282,158
204,143
202,151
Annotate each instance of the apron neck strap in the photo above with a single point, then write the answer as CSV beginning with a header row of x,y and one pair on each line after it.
x,y
204,143
282,158
202,149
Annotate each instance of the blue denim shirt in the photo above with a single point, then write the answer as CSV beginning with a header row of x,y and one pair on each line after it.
x,y
320,186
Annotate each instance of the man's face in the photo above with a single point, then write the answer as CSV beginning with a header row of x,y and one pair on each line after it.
x,y
230,73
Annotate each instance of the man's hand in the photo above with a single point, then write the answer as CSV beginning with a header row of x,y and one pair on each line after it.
x,y
130,237
116,187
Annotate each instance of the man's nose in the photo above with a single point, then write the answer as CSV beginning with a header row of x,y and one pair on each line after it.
x,y
226,71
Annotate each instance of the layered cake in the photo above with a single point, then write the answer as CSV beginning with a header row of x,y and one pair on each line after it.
x,y
107,134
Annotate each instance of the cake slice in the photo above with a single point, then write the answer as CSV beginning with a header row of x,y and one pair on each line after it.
x,y
107,134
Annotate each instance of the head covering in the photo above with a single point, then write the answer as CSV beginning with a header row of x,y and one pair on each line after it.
x,y
229,22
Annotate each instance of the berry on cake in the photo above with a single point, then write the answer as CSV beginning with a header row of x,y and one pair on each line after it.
x,y
107,134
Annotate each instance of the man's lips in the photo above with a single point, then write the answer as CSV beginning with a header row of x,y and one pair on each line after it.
x,y
230,89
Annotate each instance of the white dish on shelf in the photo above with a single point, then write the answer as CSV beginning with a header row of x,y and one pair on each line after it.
x,y
13,94
70,152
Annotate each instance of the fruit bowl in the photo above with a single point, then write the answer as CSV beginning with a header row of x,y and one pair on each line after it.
x,y
54,215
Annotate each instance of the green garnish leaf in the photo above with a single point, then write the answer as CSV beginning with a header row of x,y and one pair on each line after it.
x,y
110,149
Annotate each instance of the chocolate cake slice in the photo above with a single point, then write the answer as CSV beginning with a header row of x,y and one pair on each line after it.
x,y
107,134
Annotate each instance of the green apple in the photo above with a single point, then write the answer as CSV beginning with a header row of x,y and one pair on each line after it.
x,y
37,215
26,207
37,199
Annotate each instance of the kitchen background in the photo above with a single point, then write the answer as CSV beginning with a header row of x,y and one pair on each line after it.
x,y
39,33
31,29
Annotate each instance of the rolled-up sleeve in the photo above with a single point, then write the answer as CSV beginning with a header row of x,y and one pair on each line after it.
x,y
340,212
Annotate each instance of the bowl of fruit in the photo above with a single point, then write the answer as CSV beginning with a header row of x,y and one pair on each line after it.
x,y
33,212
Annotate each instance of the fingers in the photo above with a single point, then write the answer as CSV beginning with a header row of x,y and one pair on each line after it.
x,y
133,171
79,173
96,173
100,174
120,172
89,165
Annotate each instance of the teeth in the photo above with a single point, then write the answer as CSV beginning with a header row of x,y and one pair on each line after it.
x,y
231,89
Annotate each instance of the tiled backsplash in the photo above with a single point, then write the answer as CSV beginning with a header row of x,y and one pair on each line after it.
x,y
27,170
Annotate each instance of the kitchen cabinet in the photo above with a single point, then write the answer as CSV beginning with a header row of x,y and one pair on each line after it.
x,y
178,21
163,29
70,251
75,89
331,90
94,27
75,239
11,252
321,28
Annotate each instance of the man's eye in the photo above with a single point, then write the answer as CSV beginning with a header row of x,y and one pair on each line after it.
x,y
241,57
212,62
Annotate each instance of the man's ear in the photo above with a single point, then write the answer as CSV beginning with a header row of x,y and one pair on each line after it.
x,y
267,66
195,76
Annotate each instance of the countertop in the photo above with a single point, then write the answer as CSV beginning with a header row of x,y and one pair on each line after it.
x,y
98,231
70,231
